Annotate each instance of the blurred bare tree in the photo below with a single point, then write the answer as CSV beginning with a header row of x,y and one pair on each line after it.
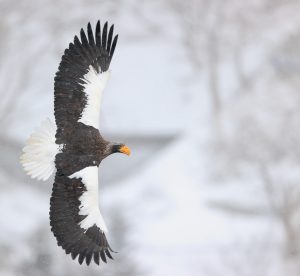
x,y
216,33
261,142
258,119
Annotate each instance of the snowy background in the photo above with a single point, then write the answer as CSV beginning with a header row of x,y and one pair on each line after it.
x,y
207,95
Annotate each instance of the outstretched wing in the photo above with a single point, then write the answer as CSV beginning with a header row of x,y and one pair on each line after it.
x,y
75,217
81,78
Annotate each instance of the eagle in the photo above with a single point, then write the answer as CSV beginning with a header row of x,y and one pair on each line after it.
x,y
74,147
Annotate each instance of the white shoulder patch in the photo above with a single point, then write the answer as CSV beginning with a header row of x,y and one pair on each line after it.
x,y
39,152
93,88
89,199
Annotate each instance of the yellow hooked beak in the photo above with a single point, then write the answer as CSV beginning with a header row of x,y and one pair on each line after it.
x,y
125,150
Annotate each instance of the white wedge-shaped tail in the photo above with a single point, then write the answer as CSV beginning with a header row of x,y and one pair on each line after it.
x,y
39,153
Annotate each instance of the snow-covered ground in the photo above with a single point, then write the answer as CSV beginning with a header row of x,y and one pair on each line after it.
x,y
202,194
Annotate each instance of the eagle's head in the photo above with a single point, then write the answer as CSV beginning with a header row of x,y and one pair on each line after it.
x,y
107,148
120,148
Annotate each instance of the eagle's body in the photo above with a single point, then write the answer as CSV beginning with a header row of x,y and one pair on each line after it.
x,y
75,147
85,147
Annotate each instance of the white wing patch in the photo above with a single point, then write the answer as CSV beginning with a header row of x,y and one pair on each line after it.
x,y
39,152
89,199
93,88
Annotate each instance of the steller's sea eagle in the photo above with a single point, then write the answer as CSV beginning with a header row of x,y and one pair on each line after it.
x,y
75,148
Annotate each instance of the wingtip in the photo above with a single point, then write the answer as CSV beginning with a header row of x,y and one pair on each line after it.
x,y
98,24
97,258
81,258
76,39
88,259
103,257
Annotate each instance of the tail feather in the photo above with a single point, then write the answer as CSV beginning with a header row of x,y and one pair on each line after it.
x,y
40,150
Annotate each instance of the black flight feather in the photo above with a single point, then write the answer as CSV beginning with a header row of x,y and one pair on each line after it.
x,y
113,45
97,258
102,255
98,34
109,39
104,36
